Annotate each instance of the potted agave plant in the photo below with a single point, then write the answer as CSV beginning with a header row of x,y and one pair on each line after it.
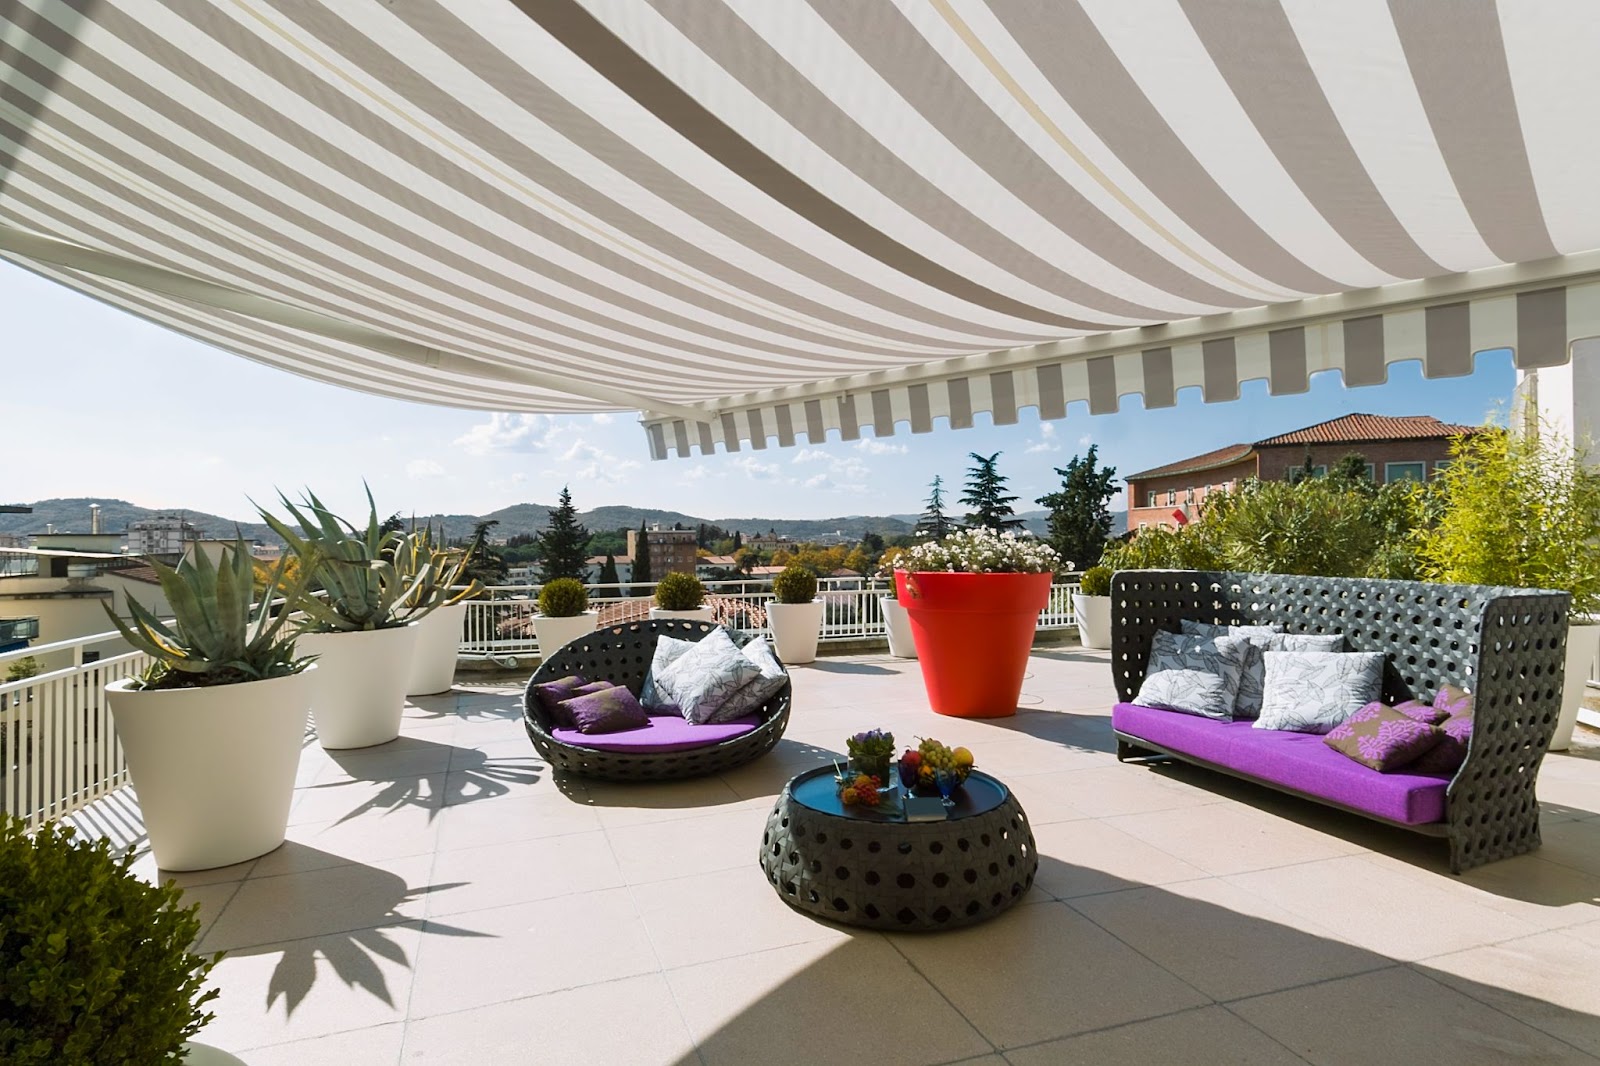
x,y
1091,605
973,600
363,644
563,616
680,595
437,603
212,730
795,615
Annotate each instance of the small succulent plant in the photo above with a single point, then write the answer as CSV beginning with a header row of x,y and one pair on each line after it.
x,y
565,597
795,584
679,592
218,635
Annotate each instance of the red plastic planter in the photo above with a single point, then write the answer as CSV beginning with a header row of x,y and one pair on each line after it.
x,y
973,634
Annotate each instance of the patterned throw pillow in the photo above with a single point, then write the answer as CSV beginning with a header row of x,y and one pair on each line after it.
x,y
1307,642
668,651
1248,703
1384,738
760,689
1313,691
551,693
1451,752
1194,675
704,678
610,710
1422,711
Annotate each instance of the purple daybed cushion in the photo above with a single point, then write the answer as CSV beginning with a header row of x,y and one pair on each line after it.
x,y
1301,761
662,734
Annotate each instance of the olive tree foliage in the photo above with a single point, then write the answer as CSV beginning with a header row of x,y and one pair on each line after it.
x,y
1080,510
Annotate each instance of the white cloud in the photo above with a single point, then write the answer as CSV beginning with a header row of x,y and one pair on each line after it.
x,y
693,472
1085,440
811,455
756,468
878,447
604,419
420,469
507,433
593,465
818,481
1047,440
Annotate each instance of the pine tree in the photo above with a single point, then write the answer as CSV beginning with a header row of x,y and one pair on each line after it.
x,y
934,522
564,542
641,563
1080,515
985,494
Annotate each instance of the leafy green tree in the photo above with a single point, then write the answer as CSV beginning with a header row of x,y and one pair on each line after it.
x,y
986,495
484,564
1351,469
564,542
393,524
641,563
1080,511
872,544
934,522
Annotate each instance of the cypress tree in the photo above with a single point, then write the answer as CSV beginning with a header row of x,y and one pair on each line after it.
x,y
641,563
608,575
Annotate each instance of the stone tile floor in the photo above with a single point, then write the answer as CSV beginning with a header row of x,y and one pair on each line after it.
x,y
444,899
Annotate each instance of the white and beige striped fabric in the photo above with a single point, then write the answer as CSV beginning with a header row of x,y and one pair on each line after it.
x,y
759,221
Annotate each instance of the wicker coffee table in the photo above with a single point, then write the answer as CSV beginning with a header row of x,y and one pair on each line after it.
x,y
880,871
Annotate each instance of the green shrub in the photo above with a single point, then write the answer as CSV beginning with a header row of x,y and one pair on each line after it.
x,y
1523,510
795,584
1162,548
95,964
565,597
1315,527
1096,581
679,592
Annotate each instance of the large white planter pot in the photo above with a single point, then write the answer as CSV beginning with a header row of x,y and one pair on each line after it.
x,y
699,614
214,767
361,688
556,633
433,662
897,624
1094,620
1583,644
795,629
197,1054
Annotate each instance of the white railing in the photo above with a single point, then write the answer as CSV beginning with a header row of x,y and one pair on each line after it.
x,y
500,624
58,751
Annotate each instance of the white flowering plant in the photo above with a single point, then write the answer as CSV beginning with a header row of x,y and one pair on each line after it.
x,y
983,551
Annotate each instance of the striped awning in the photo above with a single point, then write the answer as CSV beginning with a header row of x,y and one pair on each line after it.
x,y
761,221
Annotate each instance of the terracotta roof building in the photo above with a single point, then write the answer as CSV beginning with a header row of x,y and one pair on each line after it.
x,y
1395,447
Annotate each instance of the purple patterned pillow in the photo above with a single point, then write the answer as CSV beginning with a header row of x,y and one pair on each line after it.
x,y
1422,711
610,710
1382,737
552,694
1451,752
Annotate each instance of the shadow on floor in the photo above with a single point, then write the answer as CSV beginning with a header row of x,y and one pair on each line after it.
x,y
468,775
769,772
1072,981
844,666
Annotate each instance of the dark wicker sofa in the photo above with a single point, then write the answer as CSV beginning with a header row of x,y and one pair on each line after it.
x,y
621,654
1504,645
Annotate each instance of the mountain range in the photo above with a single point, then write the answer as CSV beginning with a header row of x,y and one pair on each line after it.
x,y
72,515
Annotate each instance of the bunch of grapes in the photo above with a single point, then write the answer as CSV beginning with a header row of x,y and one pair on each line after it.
x,y
935,757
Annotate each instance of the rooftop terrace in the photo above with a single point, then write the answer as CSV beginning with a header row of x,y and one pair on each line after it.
x,y
444,899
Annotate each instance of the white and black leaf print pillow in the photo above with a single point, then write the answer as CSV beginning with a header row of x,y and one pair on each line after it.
x,y
1247,704
1313,691
706,677
1194,675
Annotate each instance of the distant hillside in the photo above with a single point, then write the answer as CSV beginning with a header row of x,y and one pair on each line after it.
x,y
72,515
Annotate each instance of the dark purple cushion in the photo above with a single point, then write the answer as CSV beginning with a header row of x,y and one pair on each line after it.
x,y
551,693
1447,756
610,709
1300,761
1382,738
661,734
1422,711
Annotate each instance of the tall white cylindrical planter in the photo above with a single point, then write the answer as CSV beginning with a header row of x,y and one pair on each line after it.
x,y
897,624
1094,620
213,767
556,633
1583,644
699,614
361,686
433,662
795,629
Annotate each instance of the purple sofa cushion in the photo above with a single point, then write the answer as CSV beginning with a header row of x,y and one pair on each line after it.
x,y
607,710
1383,738
660,734
551,694
1422,711
1447,756
1300,761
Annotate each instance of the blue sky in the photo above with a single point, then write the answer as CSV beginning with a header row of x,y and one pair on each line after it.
x,y
96,402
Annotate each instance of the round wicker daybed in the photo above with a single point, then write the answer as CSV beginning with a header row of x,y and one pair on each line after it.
x,y
621,654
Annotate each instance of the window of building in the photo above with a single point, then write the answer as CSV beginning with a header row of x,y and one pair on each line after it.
x,y
1172,497
1298,472
1439,466
1372,472
1152,502
1393,472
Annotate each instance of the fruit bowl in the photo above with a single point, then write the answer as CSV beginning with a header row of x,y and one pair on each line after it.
x,y
919,767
